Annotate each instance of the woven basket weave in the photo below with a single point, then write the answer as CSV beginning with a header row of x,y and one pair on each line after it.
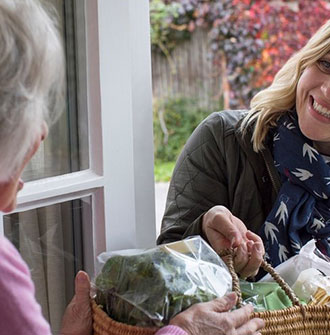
x,y
297,320
104,325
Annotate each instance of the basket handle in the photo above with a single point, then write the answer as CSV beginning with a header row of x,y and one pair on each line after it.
x,y
229,255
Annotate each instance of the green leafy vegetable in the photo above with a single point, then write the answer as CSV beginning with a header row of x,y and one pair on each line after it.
x,y
150,287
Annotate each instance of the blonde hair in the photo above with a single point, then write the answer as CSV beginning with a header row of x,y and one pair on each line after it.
x,y
269,104
31,78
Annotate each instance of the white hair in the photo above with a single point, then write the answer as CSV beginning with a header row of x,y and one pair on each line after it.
x,y
31,78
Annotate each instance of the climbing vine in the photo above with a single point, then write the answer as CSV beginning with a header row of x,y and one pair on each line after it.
x,y
249,39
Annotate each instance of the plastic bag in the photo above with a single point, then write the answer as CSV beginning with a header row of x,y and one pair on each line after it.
x,y
312,286
307,258
149,287
264,296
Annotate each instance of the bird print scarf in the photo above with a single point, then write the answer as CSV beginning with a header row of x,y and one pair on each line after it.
x,y
302,209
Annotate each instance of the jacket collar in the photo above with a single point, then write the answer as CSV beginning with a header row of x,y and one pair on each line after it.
x,y
262,162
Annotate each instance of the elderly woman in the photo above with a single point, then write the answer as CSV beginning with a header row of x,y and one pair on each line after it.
x,y
31,86
31,90
260,178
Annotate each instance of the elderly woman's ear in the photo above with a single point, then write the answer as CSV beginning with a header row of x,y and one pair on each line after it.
x,y
35,146
10,187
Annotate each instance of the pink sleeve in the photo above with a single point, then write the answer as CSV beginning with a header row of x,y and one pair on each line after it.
x,y
171,330
20,314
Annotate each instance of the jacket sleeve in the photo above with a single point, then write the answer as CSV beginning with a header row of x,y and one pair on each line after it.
x,y
20,312
198,182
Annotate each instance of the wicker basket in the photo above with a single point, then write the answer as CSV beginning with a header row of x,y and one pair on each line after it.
x,y
104,325
297,320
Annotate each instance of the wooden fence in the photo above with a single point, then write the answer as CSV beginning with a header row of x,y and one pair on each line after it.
x,y
191,74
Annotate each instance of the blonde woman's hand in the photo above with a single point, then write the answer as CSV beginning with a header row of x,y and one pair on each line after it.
x,y
224,230
77,319
215,318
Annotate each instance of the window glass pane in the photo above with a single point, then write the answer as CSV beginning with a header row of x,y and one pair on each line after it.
x,y
66,148
50,240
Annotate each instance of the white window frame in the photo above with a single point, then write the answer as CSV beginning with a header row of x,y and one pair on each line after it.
x,y
118,100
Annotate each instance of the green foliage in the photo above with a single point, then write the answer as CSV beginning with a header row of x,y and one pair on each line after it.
x,y
174,121
232,35
162,18
163,171
148,287
250,40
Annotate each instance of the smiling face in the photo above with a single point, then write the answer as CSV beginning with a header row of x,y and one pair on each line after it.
x,y
313,103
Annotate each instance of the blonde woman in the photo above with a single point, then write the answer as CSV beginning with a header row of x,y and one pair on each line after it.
x,y
31,86
259,180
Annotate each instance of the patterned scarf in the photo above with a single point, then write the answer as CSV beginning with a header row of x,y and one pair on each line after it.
x,y
302,209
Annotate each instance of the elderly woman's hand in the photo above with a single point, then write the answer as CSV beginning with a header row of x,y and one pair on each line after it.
x,y
77,319
215,318
224,230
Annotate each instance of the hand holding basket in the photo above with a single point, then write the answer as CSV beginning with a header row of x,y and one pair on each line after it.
x,y
296,320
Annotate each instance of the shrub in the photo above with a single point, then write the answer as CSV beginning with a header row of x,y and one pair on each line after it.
x,y
174,121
